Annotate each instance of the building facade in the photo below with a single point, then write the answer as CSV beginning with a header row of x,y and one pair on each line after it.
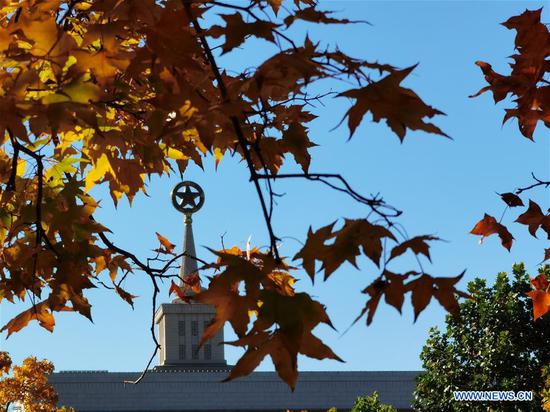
x,y
199,389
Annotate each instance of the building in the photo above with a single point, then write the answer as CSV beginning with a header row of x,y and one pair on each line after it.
x,y
202,390
189,379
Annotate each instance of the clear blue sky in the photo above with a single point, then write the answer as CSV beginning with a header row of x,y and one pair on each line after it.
x,y
443,186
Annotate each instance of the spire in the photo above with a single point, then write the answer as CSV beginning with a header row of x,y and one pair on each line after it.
x,y
188,198
188,264
181,326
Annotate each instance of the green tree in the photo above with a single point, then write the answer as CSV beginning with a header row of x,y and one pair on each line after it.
x,y
368,404
494,345
371,404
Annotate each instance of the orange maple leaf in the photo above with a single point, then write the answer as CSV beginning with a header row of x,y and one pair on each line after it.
x,y
541,302
166,246
488,226
535,219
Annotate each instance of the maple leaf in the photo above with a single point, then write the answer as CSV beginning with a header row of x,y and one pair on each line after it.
x,y
535,219
375,290
78,91
166,246
43,33
417,244
446,293
355,236
312,14
282,282
541,302
174,288
180,293
275,5
422,291
230,307
391,285
270,295
222,293
394,291
443,289
511,199
125,295
104,64
237,30
546,254
314,248
500,85
193,282
540,282
268,151
258,347
526,81
40,312
100,168
488,226
295,316
386,99
285,73
295,139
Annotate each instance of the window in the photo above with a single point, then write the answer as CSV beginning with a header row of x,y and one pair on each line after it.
x,y
182,352
195,354
205,324
207,352
181,328
195,328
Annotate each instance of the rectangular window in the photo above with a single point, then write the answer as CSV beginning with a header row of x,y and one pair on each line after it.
x,y
195,328
195,354
181,328
207,351
182,352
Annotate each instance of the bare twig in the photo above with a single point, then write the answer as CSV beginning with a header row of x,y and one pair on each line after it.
x,y
538,183
374,203
156,291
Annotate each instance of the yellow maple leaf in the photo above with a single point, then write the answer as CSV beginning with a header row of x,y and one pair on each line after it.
x,y
100,168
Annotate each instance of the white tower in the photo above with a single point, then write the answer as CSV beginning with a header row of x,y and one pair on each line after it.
x,y
181,324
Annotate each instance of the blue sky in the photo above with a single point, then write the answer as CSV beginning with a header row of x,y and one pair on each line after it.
x,y
443,187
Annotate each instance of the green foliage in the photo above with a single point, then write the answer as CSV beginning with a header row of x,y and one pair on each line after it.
x,y
494,345
371,404
368,404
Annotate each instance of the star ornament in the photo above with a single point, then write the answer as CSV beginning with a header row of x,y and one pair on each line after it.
x,y
187,197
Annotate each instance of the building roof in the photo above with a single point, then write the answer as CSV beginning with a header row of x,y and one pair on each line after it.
x,y
202,390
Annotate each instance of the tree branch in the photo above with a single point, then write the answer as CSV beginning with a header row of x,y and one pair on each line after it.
x,y
375,204
236,125
539,182
13,174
